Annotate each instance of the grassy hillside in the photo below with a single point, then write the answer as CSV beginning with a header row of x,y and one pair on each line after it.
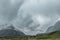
x,y
49,36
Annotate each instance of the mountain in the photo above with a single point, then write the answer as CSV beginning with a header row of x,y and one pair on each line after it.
x,y
50,36
10,32
55,34
56,27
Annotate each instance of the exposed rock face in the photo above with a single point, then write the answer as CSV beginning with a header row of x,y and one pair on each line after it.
x,y
10,32
54,28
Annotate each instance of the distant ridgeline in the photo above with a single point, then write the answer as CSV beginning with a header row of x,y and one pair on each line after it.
x,y
10,32
56,27
52,32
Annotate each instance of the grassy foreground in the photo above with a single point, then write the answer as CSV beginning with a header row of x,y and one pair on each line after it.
x,y
50,36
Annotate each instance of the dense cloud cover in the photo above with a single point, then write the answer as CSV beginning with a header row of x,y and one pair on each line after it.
x,y
30,16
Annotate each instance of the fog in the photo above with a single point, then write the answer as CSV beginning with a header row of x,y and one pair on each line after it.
x,y
29,16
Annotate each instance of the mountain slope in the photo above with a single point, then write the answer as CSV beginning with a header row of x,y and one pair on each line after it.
x,y
10,32
54,28
55,34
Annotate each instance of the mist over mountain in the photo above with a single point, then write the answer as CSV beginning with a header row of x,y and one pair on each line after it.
x,y
10,32
55,27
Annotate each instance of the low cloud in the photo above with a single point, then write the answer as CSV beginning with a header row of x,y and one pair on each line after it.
x,y
33,16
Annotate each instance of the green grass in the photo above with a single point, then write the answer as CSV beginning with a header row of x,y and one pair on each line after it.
x,y
49,36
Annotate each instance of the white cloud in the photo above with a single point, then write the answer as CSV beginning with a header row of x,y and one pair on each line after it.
x,y
33,17
43,13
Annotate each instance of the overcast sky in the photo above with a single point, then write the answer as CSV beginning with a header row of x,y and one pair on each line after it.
x,y
30,16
